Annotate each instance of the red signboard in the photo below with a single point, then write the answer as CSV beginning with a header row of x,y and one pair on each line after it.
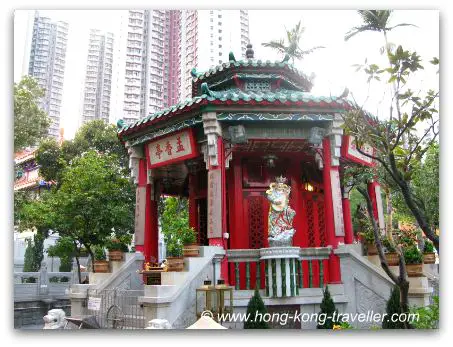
x,y
171,149
349,151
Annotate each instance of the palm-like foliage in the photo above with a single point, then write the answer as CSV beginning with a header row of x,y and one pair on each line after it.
x,y
291,49
374,20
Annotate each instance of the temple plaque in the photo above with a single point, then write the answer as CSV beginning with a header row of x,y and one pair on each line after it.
x,y
171,149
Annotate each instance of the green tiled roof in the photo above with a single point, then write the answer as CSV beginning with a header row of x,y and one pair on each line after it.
x,y
248,63
236,95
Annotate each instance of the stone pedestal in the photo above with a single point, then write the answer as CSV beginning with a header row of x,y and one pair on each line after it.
x,y
419,291
280,270
115,265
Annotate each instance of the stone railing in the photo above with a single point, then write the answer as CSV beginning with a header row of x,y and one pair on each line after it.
x,y
43,284
281,271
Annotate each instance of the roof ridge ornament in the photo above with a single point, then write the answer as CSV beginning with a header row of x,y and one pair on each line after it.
x,y
249,53
231,57
194,73
205,89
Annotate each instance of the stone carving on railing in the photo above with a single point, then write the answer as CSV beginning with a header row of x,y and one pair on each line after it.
x,y
281,215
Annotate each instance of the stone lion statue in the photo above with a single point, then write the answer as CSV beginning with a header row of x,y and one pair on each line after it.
x,y
281,215
55,319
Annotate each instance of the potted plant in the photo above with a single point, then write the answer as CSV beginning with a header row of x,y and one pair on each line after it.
x,y
429,257
390,252
100,264
368,238
189,240
175,259
117,246
175,223
414,261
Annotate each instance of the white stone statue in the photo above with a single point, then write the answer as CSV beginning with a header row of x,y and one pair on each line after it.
x,y
55,319
281,215
158,324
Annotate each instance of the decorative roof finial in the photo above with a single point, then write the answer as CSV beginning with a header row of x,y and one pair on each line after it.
x,y
120,124
249,52
231,57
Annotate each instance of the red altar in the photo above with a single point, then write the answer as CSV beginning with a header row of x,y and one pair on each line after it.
x,y
247,122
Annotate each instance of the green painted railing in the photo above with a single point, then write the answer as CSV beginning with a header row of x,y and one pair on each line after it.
x,y
307,271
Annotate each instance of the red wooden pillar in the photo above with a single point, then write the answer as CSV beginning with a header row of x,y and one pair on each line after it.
x,y
348,231
374,190
331,236
193,212
147,238
218,240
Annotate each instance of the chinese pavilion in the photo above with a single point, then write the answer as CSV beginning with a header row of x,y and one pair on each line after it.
x,y
247,122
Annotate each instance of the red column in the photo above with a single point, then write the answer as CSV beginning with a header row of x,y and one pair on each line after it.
x,y
151,233
332,239
372,192
348,231
193,213
219,241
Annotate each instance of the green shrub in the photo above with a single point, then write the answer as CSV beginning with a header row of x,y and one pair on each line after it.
x,y
256,309
412,255
99,254
388,244
327,311
393,307
428,247
428,317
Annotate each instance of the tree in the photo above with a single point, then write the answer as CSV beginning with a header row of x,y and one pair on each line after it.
x,y
95,135
93,201
291,49
328,310
256,311
34,253
399,140
30,122
399,144
66,249
374,20
393,309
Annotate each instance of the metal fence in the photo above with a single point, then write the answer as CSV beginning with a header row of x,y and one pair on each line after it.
x,y
116,308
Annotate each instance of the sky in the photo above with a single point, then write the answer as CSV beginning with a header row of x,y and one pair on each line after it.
x,y
332,65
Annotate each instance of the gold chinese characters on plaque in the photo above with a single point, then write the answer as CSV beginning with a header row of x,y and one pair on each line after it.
x,y
172,148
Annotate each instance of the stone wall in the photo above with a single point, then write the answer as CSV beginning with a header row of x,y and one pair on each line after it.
x,y
29,314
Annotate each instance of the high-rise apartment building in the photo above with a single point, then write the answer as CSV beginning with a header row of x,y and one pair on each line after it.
x,y
98,76
159,48
47,64
208,37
